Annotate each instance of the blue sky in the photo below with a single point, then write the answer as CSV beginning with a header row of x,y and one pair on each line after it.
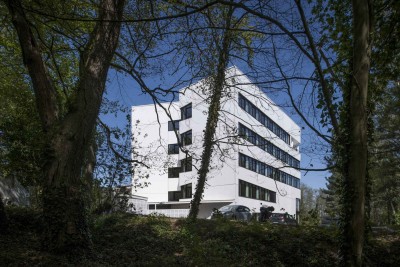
x,y
124,90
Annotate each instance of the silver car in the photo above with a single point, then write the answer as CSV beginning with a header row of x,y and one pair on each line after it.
x,y
234,212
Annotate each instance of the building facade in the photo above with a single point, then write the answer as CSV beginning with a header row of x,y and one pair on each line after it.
x,y
256,153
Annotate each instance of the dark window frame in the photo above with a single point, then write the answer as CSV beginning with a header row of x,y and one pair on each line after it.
x,y
174,172
171,125
174,195
173,149
186,164
260,116
186,111
267,146
186,191
187,138
259,167
249,190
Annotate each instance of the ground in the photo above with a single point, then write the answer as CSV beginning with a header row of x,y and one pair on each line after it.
x,y
129,240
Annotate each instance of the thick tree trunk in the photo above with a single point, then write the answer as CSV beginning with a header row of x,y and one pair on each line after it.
x,y
358,125
3,217
217,88
64,207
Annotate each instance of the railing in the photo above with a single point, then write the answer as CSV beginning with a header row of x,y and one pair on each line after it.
x,y
172,213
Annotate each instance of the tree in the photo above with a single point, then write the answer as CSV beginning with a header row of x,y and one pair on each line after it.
x,y
216,89
349,132
3,217
386,159
312,205
68,131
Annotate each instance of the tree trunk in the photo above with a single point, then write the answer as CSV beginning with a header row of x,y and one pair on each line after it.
x,y
217,87
358,125
69,136
3,217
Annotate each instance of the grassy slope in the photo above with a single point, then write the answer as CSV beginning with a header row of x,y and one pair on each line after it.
x,y
126,240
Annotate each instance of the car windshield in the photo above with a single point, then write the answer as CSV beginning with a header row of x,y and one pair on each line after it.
x,y
277,215
226,208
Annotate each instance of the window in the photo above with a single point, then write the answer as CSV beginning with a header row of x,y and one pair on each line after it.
x,y
270,172
242,102
266,170
186,164
186,138
251,136
255,192
265,145
173,125
263,119
186,112
174,195
174,172
186,191
173,149
242,160
272,196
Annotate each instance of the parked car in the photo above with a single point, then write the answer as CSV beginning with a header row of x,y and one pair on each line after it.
x,y
234,212
282,218
327,221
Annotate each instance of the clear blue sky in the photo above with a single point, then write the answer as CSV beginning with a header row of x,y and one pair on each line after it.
x,y
127,93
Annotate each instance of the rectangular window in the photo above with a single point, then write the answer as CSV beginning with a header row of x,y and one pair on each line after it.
x,y
251,137
173,125
266,170
297,204
186,191
265,145
285,157
242,102
262,194
242,160
173,149
272,196
174,195
242,188
255,192
186,164
186,112
270,148
174,172
263,119
262,169
186,138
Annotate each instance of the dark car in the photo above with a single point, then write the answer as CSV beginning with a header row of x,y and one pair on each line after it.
x,y
282,218
327,221
234,212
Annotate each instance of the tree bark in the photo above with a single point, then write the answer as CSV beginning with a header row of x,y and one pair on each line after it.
x,y
3,217
358,126
64,208
217,88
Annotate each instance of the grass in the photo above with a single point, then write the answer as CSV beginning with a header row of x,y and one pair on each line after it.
x,y
128,240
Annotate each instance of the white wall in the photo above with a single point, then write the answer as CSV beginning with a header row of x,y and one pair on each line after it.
x,y
222,183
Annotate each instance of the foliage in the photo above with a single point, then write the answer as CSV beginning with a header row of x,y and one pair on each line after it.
x,y
21,137
385,169
129,240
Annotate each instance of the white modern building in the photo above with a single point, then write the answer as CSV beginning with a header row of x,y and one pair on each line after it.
x,y
255,156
